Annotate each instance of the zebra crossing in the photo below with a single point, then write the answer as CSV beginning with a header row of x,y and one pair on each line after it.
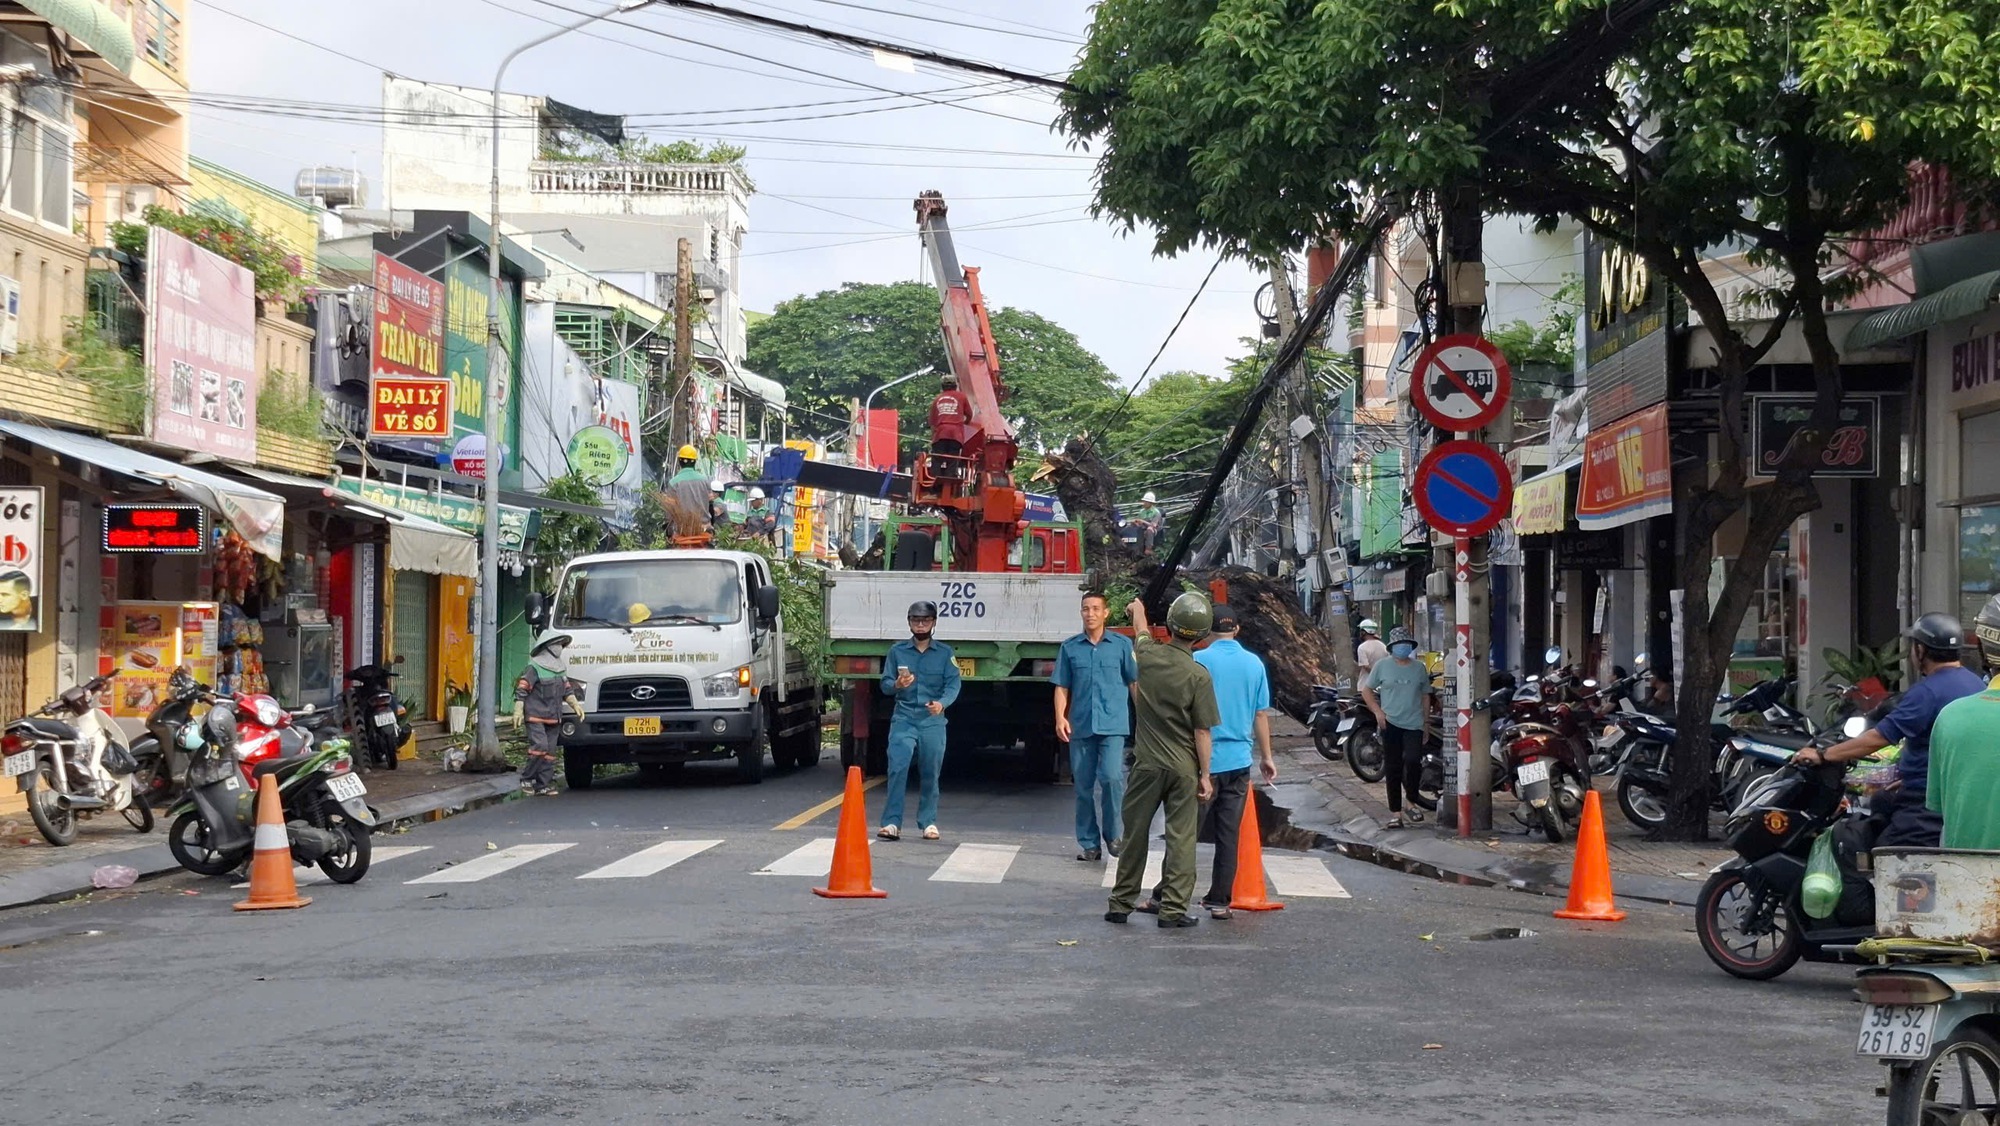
x,y
970,862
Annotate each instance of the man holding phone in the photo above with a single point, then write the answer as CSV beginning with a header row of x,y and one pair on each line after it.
x,y
921,674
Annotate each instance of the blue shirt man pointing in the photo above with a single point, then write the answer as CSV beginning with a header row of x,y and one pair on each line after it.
x,y
1095,671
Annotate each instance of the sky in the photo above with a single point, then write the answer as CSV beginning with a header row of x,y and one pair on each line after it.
x,y
834,194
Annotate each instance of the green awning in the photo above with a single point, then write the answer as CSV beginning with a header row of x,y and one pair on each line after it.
x,y
94,25
1954,302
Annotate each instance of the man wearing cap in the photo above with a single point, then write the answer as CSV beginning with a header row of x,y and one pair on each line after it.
x,y
1170,749
1371,651
1398,691
922,676
1149,522
1903,814
1095,671
1965,757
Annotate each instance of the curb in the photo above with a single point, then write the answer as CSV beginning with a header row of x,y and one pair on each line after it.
x,y
63,880
1332,823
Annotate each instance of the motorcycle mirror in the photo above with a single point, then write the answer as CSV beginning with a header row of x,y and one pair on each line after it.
x,y
1552,656
1639,661
1854,726
309,709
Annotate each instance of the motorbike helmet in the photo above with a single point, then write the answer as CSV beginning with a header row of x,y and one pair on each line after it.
x,y
1370,625
219,725
1987,627
1938,631
922,609
1190,617
189,737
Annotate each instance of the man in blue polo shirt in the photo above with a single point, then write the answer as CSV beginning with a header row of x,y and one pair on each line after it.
x,y
1095,671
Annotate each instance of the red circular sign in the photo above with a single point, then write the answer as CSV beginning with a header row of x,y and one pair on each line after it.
x,y
1463,489
1461,382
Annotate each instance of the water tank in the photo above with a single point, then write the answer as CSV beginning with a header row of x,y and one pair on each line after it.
x,y
332,187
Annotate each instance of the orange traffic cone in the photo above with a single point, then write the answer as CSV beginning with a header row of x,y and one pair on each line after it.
x,y
271,882
1590,879
852,875
1247,893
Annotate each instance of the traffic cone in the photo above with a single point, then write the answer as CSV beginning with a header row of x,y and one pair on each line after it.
x,y
852,875
1590,879
271,882
1247,893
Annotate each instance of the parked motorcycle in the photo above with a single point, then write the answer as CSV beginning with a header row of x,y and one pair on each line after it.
x,y
376,716
161,762
71,758
1749,915
327,820
1343,727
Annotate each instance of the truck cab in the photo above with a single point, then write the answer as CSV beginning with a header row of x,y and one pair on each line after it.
x,y
680,656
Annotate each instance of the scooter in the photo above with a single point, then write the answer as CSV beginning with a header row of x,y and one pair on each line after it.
x,y
70,757
327,822
162,764
377,716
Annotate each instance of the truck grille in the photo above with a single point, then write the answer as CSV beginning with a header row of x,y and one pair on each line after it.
x,y
644,694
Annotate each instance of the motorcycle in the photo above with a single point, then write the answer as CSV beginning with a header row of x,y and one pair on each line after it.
x,y
1749,914
376,715
1343,727
1932,1023
161,762
70,757
327,820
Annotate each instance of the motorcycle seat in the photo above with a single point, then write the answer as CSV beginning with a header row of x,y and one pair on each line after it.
x,y
53,729
1789,740
279,765
311,721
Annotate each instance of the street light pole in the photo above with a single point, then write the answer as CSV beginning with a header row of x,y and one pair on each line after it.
x,y
868,430
486,672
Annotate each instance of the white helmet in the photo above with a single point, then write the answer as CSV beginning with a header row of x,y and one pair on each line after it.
x,y
1149,498
1370,625
717,487
756,494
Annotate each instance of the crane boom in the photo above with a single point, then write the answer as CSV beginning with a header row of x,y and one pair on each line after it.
x,y
968,334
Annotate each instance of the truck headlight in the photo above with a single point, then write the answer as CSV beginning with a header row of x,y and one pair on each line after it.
x,y
726,684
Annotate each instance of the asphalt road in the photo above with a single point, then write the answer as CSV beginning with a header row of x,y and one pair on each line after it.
x,y
706,991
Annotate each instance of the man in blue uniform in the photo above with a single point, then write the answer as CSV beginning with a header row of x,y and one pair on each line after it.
x,y
922,676
1095,671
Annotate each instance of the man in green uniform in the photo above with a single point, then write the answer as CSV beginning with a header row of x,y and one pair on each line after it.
x,y
1965,751
1170,747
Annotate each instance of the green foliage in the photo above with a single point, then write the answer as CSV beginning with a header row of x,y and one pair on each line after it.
x,y
569,146
1883,663
801,598
277,270
117,374
289,406
567,534
843,343
1551,343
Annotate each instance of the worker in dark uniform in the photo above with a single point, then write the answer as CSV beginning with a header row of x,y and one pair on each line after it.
x,y
540,694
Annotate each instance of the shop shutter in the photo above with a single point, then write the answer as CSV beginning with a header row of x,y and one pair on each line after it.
x,y
14,646
413,638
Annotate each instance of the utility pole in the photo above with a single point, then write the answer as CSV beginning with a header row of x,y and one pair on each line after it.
x,y
1292,385
679,431
1309,457
1465,296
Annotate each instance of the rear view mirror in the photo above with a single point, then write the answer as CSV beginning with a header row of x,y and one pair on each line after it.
x,y
1552,656
1639,662
537,610
767,602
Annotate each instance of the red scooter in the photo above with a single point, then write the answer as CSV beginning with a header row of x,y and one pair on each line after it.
x,y
266,731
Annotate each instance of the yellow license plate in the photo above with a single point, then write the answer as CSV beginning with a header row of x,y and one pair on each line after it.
x,y
964,665
642,725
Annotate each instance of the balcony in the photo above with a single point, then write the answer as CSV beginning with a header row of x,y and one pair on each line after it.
x,y
592,179
156,29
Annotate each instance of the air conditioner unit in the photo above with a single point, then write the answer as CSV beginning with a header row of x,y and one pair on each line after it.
x,y
10,316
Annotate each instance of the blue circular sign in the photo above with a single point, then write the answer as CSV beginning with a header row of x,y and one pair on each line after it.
x,y
1463,489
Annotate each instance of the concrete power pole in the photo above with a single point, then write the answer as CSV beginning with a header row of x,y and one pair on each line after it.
x,y
1465,297
1293,389
678,430
1310,457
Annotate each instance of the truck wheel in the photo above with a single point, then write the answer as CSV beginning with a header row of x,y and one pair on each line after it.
x,y
578,768
750,761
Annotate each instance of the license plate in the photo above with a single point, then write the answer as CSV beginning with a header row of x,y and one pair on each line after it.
x,y
1532,772
1346,725
964,665
384,719
22,763
345,787
642,725
1897,1031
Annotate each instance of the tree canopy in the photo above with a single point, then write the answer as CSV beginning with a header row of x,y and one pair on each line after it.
x,y
843,343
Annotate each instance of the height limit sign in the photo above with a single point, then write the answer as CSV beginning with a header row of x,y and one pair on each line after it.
x,y
1461,382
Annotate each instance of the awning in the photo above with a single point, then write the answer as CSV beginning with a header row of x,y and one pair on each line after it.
x,y
415,544
1954,302
769,390
1627,472
257,516
94,25
1541,503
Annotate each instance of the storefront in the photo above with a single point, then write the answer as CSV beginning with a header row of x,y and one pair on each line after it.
x,y
1960,559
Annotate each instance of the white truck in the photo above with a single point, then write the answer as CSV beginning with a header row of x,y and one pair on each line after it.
x,y
680,656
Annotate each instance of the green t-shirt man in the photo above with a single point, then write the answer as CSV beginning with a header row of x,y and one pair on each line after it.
x,y
1965,770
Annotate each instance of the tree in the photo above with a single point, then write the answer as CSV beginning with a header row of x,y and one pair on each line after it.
x,y
843,343
1667,129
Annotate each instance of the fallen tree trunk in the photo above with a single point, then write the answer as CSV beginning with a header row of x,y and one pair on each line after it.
x,y
1297,653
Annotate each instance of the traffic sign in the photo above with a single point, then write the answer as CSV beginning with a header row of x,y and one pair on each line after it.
x,y
1463,489
1461,382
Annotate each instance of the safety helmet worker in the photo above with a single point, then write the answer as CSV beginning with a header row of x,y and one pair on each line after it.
x,y
1190,617
756,494
1937,630
717,487
1987,627
1149,498
688,453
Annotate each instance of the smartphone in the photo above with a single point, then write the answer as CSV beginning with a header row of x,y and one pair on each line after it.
x,y
902,670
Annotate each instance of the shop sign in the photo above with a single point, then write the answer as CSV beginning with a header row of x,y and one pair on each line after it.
x,y
201,349
21,559
468,457
1624,331
409,322
465,345
144,642
1541,504
155,529
409,408
463,513
1975,370
598,454
1368,585
1396,581
1854,450
1627,472
1590,551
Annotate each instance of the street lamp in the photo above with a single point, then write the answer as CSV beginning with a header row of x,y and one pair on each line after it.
x,y
486,668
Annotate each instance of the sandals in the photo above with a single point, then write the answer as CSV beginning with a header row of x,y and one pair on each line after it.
x,y
930,832
1220,911
889,833
1393,823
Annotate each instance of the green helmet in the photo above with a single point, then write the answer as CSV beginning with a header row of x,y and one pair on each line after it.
x,y
1189,618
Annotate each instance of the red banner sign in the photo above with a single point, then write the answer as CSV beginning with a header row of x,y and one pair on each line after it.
x,y
409,408
1627,471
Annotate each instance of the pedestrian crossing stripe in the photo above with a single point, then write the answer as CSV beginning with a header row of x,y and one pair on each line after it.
x,y
302,875
1155,859
492,864
814,858
650,861
977,864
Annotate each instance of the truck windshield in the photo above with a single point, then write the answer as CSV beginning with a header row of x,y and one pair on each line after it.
x,y
650,591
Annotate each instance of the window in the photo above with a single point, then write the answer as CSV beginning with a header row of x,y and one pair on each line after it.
x,y
1979,455
39,171
655,592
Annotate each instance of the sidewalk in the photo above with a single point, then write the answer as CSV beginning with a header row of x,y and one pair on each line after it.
x,y
1324,799
33,871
